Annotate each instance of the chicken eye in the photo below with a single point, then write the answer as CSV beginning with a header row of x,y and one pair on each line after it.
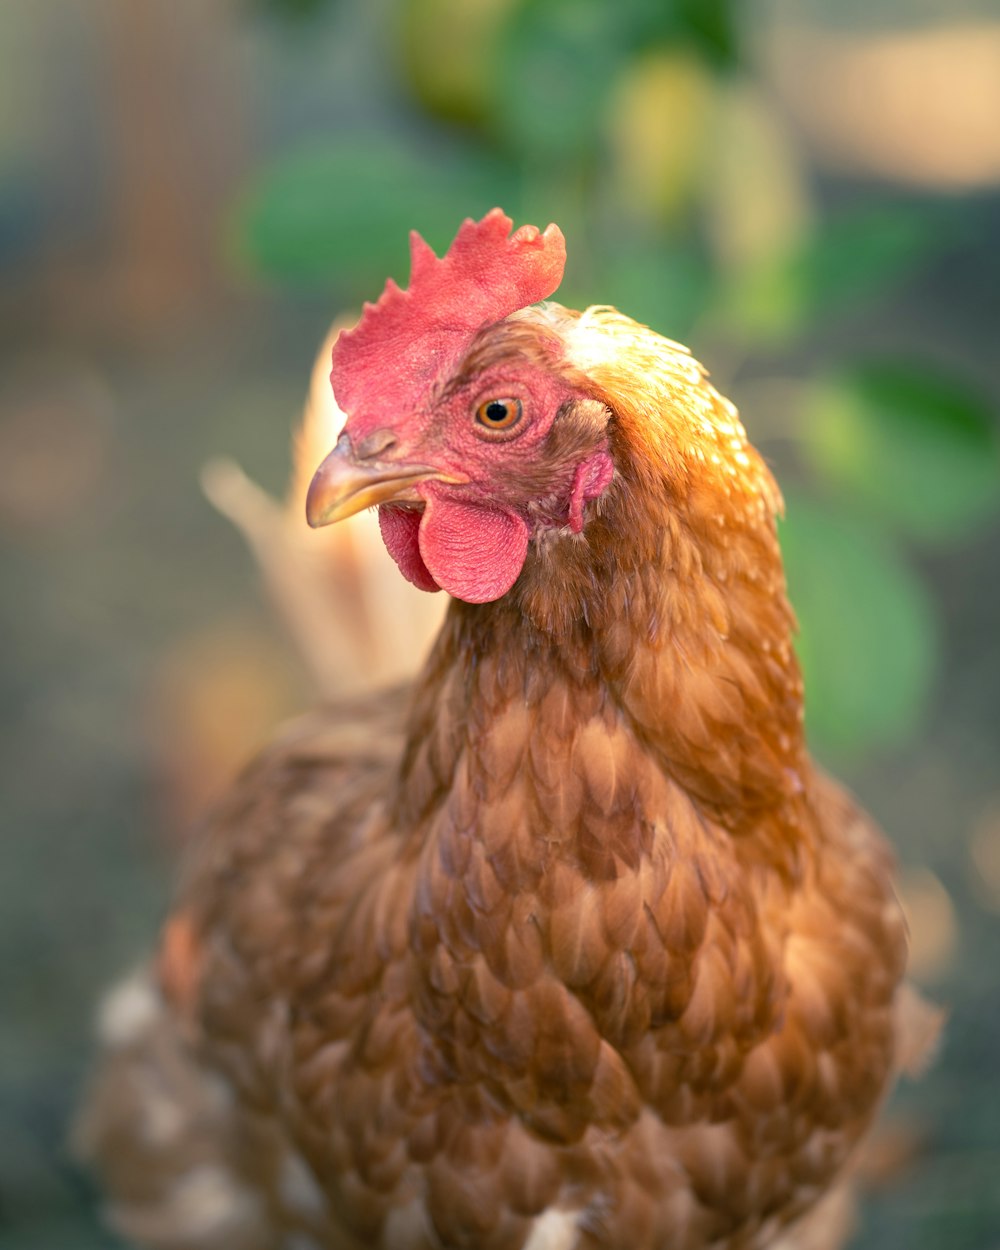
x,y
499,414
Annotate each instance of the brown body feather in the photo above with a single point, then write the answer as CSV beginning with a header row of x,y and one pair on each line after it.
x,y
571,946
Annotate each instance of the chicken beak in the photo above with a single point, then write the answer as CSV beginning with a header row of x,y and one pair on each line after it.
x,y
346,483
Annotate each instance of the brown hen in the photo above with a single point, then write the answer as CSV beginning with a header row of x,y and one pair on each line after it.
x,y
569,946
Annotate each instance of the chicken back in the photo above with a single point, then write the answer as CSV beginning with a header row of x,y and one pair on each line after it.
x,y
570,946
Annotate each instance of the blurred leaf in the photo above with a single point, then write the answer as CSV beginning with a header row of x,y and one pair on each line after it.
x,y
756,199
344,209
707,27
557,62
447,49
658,164
663,286
541,69
847,259
867,635
762,303
293,10
919,449
711,27
858,254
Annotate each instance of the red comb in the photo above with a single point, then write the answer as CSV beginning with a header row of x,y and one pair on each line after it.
x,y
384,364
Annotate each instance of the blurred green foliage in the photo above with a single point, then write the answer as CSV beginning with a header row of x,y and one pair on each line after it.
x,y
840,262
916,449
343,211
638,128
866,629
292,10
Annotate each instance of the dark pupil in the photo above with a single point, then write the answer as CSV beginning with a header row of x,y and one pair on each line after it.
x,y
496,411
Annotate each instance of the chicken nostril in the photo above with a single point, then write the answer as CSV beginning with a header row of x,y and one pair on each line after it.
x,y
375,444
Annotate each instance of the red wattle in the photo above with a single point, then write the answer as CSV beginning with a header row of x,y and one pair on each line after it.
x,y
475,553
400,532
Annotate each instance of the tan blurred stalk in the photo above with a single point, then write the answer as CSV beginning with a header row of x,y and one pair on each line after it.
x,y
354,620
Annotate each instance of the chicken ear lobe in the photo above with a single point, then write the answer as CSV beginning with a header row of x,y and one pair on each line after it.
x,y
474,553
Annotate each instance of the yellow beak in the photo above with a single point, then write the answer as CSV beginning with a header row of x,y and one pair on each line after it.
x,y
344,484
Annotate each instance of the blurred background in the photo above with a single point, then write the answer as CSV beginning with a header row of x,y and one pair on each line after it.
x,y
808,194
